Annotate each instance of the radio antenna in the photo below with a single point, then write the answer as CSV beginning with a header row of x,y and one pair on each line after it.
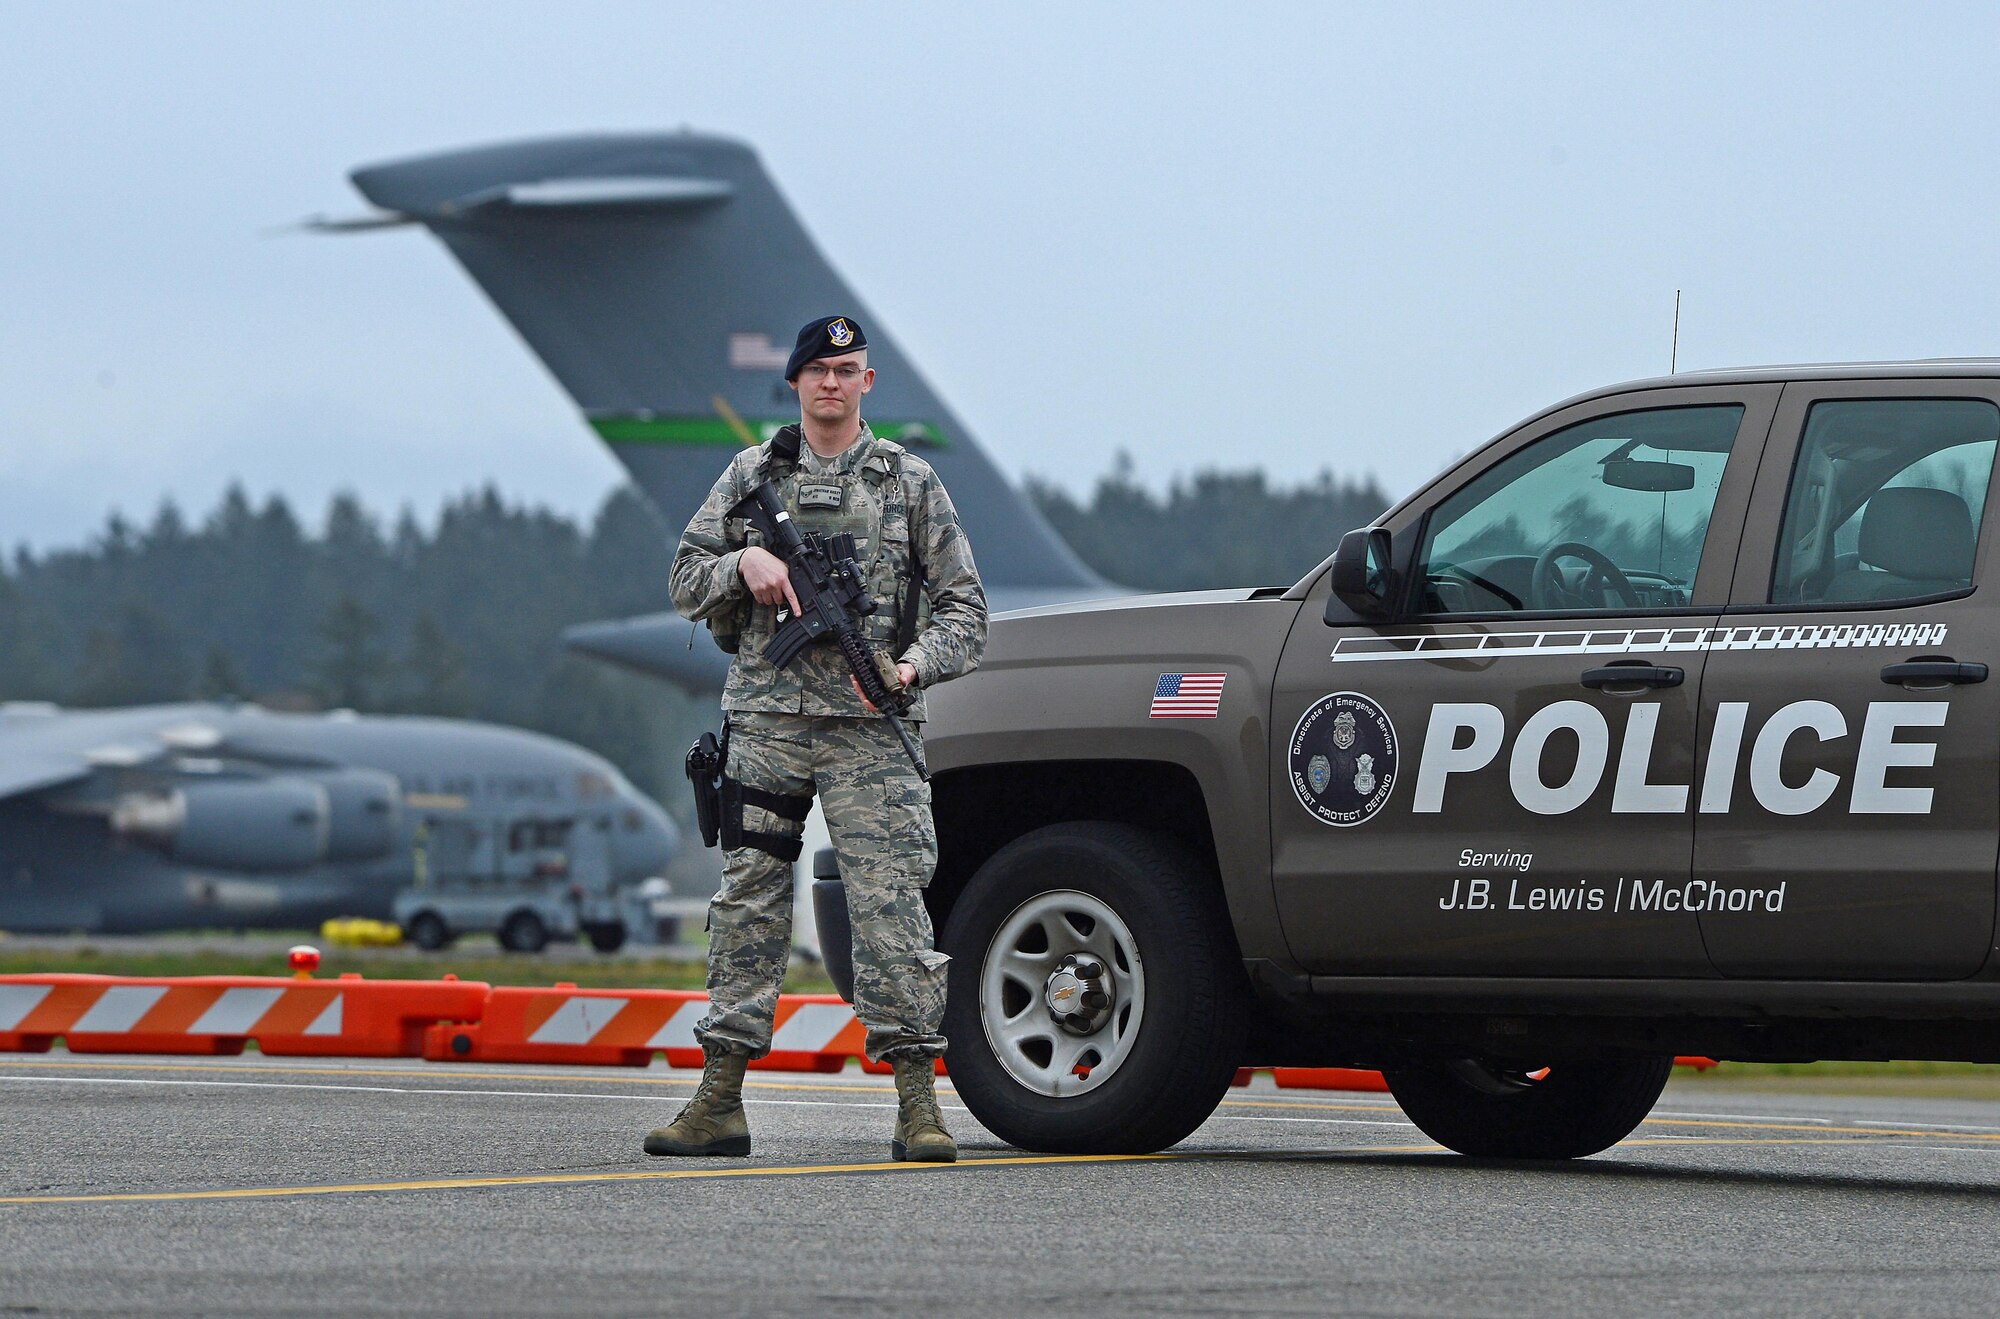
x,y
1674,357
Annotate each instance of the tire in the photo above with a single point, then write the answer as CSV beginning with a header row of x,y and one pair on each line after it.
x,y
523,932
1159,1054
608,937
428,931
1498,1111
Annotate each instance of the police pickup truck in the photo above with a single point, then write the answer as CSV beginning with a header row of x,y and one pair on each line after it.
x,y
1659,725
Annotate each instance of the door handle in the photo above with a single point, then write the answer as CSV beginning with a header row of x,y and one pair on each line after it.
x,y
1933,673
1632,675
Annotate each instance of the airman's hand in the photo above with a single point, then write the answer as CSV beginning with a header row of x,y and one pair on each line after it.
x,y
765,574
907,673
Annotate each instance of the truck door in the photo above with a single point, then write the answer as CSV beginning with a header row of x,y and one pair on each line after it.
x,y
590,868
1478,785
1849,814
447,849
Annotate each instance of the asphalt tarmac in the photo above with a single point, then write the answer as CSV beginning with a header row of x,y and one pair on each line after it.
x,y
258,1186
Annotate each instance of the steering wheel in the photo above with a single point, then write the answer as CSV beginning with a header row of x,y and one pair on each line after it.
x,y
1547,588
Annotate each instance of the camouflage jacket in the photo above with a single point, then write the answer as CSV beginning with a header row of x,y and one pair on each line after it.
x,y
889,514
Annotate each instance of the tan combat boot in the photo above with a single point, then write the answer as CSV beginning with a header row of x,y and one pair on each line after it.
x,y
713,1121
920,1134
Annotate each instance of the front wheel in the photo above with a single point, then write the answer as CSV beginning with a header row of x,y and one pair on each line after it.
x,y
524,932
1096,1000
607,936
1500,1110
428,931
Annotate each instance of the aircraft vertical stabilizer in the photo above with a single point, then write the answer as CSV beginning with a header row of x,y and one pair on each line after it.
x,y
662,277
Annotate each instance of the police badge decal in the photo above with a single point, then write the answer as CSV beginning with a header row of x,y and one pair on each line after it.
x,y
1343,759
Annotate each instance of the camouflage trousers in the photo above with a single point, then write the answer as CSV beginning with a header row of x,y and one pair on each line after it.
x,y
879,814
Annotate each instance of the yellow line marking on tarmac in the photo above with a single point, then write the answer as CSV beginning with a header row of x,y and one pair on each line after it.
x,y
818,1169
572,1179
447,1072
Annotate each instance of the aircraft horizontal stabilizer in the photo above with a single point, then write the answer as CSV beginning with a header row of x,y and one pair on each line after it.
x,y
577,194
658,645
668,646
605,192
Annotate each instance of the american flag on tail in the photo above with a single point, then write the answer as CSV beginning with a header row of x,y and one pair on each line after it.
x,y
756,352
1187,696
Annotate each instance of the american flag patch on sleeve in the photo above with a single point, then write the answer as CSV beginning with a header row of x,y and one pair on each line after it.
x,y
1187,696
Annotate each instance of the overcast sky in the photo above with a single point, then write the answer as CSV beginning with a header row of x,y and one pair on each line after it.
x,y
1283,236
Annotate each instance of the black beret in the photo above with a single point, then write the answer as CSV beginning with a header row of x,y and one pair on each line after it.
x,y
829,336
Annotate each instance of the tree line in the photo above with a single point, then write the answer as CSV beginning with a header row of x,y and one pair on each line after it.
x,y
464,618
1212,529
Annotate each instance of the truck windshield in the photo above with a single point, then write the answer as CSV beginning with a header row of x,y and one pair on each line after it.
x,y
1633,490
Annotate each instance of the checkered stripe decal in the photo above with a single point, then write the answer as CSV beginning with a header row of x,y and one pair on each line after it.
x,y
1653,640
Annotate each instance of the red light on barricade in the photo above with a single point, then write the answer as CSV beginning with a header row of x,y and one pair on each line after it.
x,y
303,959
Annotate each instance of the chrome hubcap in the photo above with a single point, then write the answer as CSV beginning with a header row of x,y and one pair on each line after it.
x,y
1062,993
1079,995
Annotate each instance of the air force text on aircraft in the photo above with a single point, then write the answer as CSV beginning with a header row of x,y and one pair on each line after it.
x,y
1466,738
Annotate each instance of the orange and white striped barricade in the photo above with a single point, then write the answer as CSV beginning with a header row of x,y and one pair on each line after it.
x,y
1348,1078
344,1018
626,1027
1328,1078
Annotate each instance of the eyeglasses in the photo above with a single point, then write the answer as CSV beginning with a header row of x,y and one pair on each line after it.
x,y
846,375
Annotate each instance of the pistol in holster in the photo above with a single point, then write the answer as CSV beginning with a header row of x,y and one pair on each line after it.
x,y
704,770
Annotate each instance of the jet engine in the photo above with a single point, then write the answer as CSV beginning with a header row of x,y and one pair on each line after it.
x,y
365,811
235,824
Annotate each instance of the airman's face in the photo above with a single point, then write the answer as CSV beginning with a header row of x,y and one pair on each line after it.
x,y
830,388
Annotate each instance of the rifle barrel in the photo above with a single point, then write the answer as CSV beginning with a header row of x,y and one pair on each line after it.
x,y
903,733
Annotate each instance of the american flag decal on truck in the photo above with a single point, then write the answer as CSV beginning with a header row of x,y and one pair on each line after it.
x,y
1187,696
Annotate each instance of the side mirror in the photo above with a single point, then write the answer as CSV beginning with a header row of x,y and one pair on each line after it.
x,y
1652,477
1362,579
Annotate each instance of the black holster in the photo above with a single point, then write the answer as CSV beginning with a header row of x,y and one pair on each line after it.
x,y
735,796
704,771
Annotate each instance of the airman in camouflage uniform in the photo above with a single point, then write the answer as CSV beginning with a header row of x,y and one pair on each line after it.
x,y
806,729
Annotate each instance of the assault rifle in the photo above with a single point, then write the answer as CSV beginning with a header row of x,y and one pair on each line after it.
x,y
833,598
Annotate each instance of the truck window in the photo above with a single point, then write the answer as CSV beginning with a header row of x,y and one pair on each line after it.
x,y
1885,501
1610,513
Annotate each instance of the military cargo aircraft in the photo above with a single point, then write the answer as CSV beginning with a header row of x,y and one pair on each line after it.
x,y
661,277
201,815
